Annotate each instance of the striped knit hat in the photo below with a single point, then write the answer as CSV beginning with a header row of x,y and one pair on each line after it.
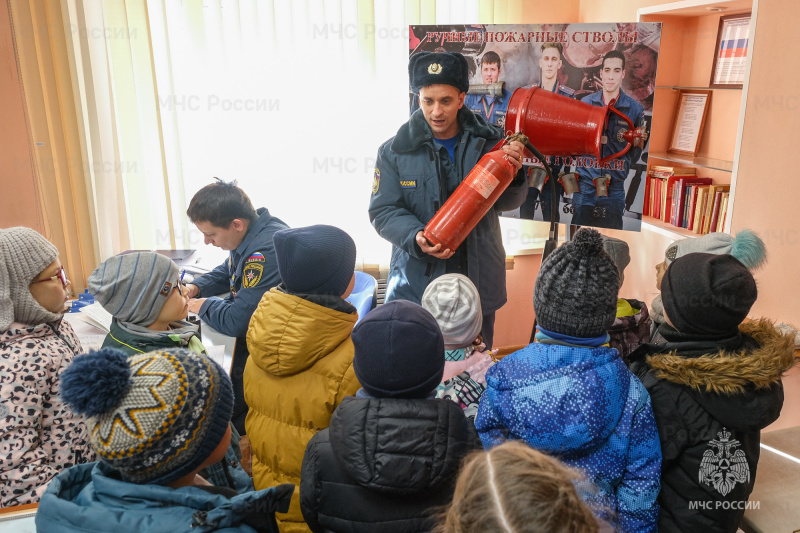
x,y
154,417
454,302
134,287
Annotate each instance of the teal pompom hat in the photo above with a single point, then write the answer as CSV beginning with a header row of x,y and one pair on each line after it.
x,y
154,417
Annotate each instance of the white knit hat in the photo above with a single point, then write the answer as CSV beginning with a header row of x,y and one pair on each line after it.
x,y
454,302
24,254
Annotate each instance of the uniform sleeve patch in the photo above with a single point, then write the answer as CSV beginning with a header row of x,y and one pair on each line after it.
x,y
376,181
408,184
256,257
251,275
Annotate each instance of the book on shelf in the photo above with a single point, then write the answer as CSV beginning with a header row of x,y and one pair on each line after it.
x,y
713,214
660,171
712,207
687,205
723,210
658,198
699,208
679,197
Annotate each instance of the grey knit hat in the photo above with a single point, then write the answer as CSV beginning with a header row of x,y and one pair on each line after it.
x,y
746,246
454,302
619,252
24,254
134,287
576,290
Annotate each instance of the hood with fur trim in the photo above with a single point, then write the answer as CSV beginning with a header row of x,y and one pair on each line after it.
x,y
732,373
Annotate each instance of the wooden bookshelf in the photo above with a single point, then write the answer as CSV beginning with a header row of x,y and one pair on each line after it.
x,y
665,228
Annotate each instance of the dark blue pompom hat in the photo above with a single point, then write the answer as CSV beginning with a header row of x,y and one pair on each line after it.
x,y
154,417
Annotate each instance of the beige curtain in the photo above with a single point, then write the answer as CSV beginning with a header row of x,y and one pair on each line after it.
x,y
145,101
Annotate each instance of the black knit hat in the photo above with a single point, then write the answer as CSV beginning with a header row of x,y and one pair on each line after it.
x,y
315,260
399,351
432,68
707,293
576,290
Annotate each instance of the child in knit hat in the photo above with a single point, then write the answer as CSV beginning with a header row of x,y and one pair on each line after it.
x,y
39,436
392,453
144,294
301,356
746,246
570,395
156,420
715,383
454,302
631,328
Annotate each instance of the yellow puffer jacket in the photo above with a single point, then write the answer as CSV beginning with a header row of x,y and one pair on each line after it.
x,y
300,368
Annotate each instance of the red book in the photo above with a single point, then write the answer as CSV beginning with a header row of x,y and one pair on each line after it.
x,y
668,205
646,206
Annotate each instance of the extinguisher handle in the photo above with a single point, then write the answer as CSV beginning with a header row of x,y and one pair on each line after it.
x,y
612,109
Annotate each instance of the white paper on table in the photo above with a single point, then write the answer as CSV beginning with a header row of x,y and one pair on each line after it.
x,y
95,315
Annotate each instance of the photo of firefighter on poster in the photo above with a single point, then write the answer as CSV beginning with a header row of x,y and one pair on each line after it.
x,y
594,64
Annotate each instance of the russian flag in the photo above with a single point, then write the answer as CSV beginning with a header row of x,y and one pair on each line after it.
x,y
733,48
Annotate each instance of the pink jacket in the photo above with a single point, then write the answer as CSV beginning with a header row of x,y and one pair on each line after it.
x,y
39,435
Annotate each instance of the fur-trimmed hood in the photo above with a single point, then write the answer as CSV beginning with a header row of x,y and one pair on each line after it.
x,y
731,373
416,131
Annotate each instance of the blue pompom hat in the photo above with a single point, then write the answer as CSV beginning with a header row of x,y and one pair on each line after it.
x,y
154,417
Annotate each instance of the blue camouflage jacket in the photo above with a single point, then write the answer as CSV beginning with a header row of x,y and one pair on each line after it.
x,y
408,189
91,498
250,271
583,406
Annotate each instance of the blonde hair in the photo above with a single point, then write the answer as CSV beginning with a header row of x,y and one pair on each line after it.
x,y
514,489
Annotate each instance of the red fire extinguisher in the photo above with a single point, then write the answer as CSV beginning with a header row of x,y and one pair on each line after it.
x,y
472,199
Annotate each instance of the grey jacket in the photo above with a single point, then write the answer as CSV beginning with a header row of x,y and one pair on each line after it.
x,y
409,188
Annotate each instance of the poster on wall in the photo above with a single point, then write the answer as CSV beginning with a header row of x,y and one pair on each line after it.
x,y
595,64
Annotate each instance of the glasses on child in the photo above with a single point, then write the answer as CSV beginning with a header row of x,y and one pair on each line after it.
x,y
61,275
179,285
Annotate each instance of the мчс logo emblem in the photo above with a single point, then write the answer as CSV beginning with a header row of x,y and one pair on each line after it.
x,y
721,468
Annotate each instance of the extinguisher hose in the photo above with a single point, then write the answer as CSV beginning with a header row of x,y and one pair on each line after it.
x,y
552,241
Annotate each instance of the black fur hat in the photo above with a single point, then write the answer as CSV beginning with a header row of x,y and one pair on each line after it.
x,y
431,68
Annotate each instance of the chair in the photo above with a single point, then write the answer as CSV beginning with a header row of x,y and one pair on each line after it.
x,y
364,295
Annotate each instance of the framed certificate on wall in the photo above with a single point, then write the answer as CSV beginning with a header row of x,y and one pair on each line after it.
x,y
690,117
730,59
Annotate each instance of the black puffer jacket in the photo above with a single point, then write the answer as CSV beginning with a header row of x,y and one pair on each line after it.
x,y
384,465
711,399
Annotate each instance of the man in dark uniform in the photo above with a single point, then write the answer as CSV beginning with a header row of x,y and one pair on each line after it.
x,y
225,216
416,172
606,211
